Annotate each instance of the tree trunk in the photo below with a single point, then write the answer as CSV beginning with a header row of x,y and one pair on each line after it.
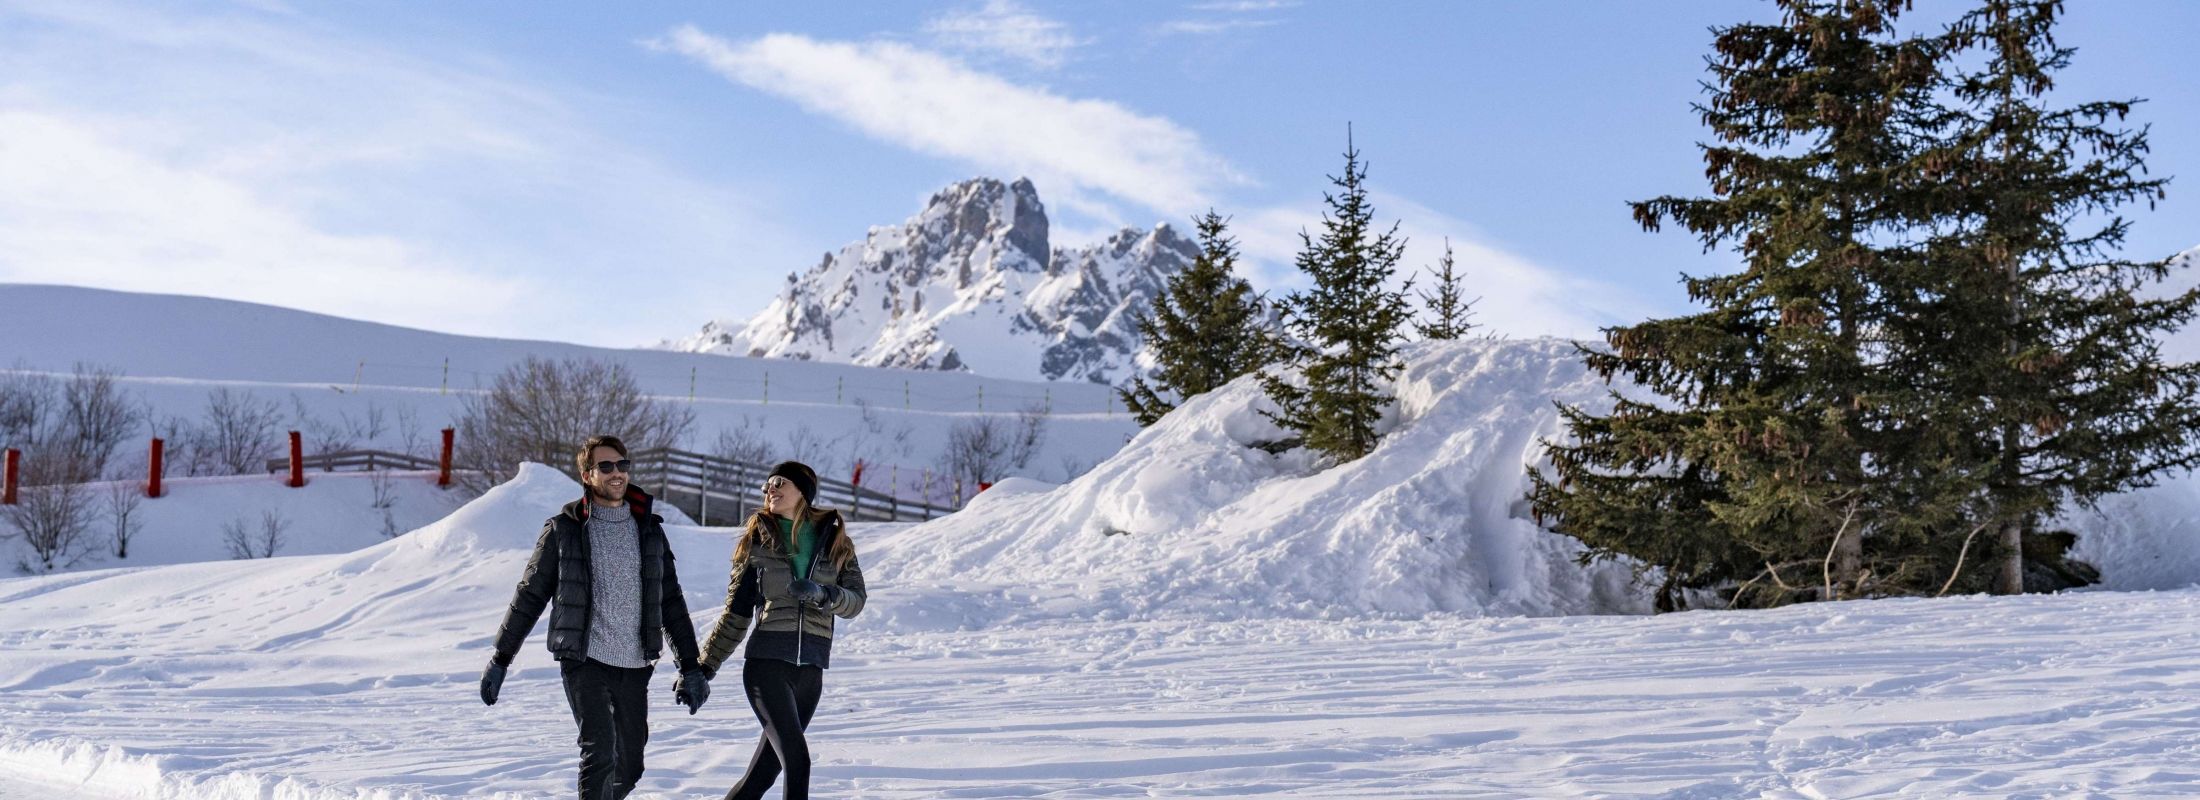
x,y
2011,579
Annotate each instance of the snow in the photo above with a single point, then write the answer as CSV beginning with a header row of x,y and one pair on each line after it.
x,y
172,351
1191,617
353,676
333,513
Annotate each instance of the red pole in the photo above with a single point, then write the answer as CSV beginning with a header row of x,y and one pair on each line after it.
x,y
14,468
297,460
857,479
443,477
152,473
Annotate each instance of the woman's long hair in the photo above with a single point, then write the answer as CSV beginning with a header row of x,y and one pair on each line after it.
x,y
762,531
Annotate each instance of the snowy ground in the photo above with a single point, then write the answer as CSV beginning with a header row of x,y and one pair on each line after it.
x,y
353,675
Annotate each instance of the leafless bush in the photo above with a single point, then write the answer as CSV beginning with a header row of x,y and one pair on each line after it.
x,y
27,403
247,541
385,500
237,434
345,432
95,418
123,522
984,449
54,523
806,446
409,440
385,490
540,409
67,429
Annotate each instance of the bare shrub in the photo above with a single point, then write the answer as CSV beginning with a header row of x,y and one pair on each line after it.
x,y
246,540
122,499
54,524
95,417
237,434
541,409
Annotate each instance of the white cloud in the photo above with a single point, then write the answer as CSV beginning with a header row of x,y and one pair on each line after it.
x,y
1246,6
263,156
1004,28
1073,149
82,209
1203,27
1519,296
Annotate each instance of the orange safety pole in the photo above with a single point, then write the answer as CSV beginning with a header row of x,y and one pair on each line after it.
x,y
443,476
14,469
297,460
153,470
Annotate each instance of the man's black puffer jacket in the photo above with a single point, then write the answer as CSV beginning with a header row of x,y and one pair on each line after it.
x,y
558,576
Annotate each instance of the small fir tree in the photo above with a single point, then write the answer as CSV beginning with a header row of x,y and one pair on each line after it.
x,y
1206,327
1345,329
1447,308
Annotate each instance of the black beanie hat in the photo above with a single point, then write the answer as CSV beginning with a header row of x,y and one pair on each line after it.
x,y
803,478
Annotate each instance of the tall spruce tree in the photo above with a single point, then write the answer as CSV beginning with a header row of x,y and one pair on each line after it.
x,y
1345,329
2042,325
1778,456
1447,307
1206,327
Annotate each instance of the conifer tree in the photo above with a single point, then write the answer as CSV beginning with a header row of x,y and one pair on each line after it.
x,y
1345,329
2042,325
1206,327
1448,308
1779,457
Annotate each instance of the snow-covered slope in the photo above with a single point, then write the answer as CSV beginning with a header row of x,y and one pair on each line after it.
x,y
173,350
353,676
969,283
335,512
1190,515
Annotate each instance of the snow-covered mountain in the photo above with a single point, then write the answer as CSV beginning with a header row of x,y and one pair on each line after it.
x,y
971,283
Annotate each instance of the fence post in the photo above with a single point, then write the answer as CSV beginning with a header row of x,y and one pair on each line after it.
x,y
443,464
297,460
153,467
905,394
767,387
446,377
838,383
981,398
14,469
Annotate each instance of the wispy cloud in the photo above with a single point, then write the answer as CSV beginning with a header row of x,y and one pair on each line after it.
x,y
1245,6
1002,28
262,155
1203,27
1075,149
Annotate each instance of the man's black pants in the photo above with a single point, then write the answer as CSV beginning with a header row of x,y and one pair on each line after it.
x,y
784,697
612,707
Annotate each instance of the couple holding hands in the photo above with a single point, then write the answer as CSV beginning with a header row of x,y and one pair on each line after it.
x,y
605,570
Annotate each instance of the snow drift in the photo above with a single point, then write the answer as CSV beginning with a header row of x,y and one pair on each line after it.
x,y
1192,516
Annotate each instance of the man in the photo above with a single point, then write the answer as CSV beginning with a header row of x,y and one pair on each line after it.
x,y
605,562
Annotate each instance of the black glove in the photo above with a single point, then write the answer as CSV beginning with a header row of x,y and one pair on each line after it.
x,y
816,594
492,679
691,689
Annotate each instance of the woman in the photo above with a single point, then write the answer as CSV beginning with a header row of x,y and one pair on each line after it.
x,y
793,571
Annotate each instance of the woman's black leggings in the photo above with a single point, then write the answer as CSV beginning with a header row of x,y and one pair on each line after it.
x,y
783,696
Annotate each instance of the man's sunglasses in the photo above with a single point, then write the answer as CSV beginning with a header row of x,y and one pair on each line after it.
x,y
621,465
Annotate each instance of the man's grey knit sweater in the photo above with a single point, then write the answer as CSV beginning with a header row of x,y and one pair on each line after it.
x,y
615,615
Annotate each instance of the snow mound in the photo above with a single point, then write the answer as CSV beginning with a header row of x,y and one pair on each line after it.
x,y
1192,516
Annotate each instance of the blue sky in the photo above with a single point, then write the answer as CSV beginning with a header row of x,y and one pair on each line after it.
x,y
617,174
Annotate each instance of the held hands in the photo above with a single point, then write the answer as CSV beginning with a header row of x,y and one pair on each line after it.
x,y
492,680
812,593
691,689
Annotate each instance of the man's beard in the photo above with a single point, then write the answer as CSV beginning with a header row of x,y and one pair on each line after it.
x,y
606,495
